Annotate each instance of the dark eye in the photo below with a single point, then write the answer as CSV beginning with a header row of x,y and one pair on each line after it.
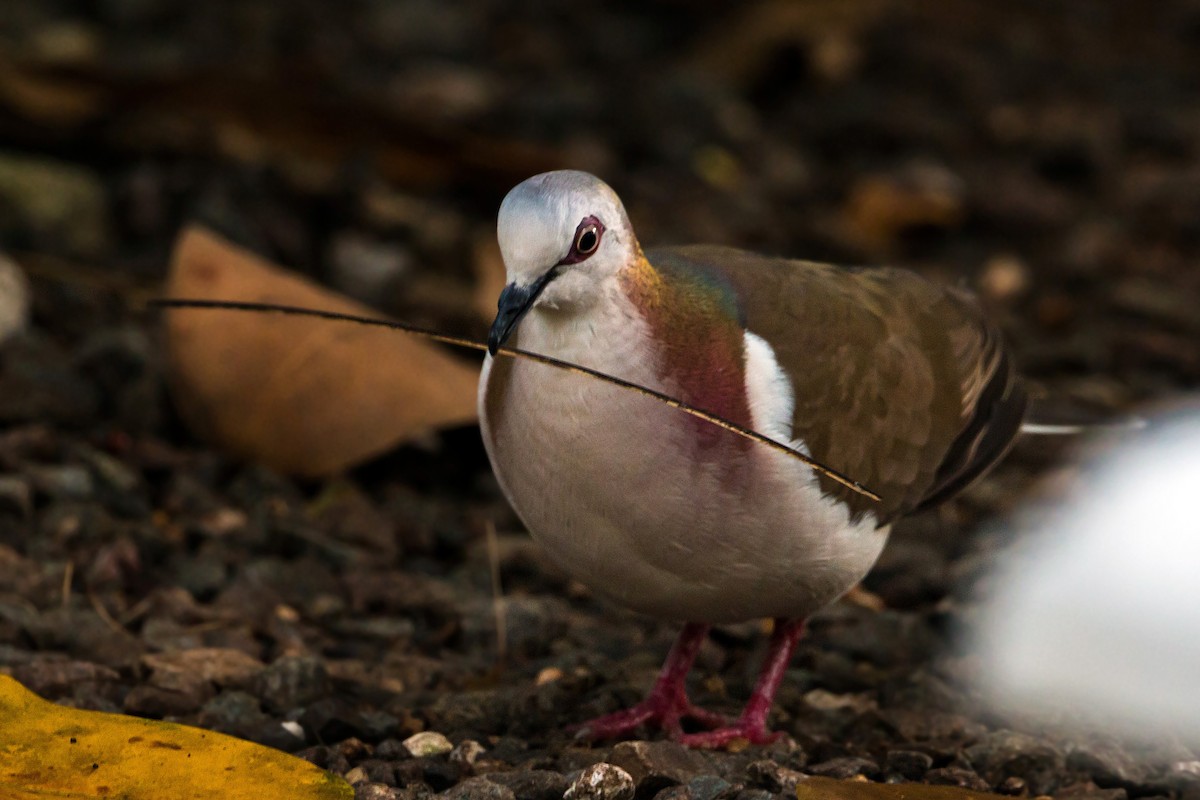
x,y
587,240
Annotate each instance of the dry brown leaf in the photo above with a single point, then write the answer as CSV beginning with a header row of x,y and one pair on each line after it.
x,y
490,274
303,396
814,788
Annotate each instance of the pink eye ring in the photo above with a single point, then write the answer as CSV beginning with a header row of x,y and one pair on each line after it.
x,y
586,241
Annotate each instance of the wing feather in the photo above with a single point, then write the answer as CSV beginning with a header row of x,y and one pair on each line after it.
x,y
899,383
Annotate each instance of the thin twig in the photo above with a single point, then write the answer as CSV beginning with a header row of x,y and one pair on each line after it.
x,y
513,352
68,577
137,610
106,617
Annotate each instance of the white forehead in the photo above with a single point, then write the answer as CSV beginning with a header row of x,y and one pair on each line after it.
x,y
538,218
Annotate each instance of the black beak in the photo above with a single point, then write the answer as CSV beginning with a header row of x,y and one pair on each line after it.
x,y
515,302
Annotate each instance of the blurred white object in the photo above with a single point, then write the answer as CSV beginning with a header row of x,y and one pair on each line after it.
x,y
1098,618
14,299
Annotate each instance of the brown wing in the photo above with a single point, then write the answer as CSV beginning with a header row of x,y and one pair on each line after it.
x,y
899,383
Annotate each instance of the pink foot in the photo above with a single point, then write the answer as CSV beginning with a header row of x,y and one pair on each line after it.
x,y
751,726
667,705
723,737
655,711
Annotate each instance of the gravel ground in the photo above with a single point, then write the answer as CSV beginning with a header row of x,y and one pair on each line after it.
x,y
1043,152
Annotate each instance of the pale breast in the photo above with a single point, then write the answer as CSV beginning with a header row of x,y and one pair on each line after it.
x,y
619,491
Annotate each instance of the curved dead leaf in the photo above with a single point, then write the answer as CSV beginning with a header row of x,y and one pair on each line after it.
x,y
301,396
490,275
48,750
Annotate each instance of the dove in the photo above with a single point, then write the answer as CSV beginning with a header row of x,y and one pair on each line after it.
x,y
899,383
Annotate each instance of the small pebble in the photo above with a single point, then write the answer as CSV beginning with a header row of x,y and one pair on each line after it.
x,y
754,794
235,712
1013,785
774,777
601,782
675,793
1107,764
291,682
428,743
466,752
532,784
845,768
337,717
318,755
1005,753
477,789
353,748
392,750
711,787
374,791
378,771
658,764
55,202
957,776
437,772
62,480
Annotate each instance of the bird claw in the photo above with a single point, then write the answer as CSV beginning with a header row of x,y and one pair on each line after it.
x,y
667,716
668,704
655,711
740,731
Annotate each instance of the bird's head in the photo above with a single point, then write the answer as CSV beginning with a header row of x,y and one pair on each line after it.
x,y
562,236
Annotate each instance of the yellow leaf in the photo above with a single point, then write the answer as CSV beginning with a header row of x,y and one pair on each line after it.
x,y
50,751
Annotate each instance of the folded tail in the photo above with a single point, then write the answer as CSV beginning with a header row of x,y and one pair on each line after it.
x,y
1042,421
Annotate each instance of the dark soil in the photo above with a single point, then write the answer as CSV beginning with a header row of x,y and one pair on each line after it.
x,y
1044,152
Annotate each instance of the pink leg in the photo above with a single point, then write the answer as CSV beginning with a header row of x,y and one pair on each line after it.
x,y
752,724
667,704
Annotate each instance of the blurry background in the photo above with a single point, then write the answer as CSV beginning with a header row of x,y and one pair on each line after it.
x,y
1048,148
1044,152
